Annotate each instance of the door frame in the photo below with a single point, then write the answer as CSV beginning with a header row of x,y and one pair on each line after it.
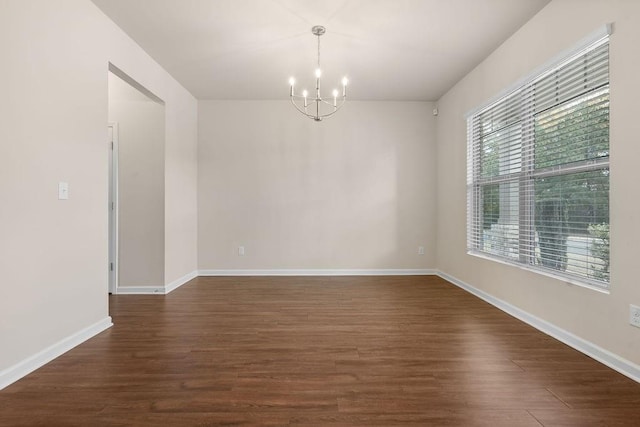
x,y
112,208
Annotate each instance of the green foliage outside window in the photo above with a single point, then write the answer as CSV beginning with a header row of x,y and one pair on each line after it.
x,y
600,250
573,203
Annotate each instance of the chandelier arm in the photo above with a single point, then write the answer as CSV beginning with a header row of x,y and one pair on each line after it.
x,y
301,110
311,101
340,100
338,107
321,116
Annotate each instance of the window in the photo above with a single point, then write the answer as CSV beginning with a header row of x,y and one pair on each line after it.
x,y
538,172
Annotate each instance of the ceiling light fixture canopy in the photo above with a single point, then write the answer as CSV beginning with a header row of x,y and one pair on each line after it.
x,y
322,107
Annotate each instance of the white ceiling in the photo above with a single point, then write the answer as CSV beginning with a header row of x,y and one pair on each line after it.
x,y
389,49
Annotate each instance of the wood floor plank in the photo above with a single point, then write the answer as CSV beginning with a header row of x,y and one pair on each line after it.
x,y
319,351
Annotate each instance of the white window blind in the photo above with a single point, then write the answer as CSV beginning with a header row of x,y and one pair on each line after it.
x,y
538,172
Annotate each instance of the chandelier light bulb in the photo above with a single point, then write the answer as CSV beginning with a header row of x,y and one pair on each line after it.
x,y
292,81
345,81
335,93
305,93
318,73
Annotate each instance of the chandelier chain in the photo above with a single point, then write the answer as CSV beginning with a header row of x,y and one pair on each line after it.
x,y
318,50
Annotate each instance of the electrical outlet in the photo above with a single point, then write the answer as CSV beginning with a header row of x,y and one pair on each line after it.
x,y
420,250
634,315
240,250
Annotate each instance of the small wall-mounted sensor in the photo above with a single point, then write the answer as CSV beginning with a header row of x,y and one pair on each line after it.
x,y
634,315
435,111
240,250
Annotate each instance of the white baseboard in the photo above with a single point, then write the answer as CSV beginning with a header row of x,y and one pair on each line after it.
x,y
140,290
615,362
320,272
19,370
157,290
181,281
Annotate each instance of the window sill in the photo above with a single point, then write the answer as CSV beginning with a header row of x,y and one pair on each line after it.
x,y
565,279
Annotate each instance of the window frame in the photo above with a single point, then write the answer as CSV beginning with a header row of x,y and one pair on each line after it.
x,y
525,178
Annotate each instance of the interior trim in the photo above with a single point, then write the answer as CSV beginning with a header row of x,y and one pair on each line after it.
x,y
320,272
25,367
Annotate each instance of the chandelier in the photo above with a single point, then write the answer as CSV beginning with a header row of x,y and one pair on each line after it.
x,y
316,107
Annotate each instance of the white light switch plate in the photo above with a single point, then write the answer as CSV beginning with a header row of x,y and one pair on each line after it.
x,y
63,191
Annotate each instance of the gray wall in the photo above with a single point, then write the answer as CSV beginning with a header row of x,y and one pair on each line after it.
x,y
356,191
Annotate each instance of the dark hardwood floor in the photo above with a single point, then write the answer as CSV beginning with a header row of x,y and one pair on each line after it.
x,y
321,351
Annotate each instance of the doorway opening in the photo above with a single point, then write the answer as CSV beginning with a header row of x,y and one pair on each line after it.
x,y
136,186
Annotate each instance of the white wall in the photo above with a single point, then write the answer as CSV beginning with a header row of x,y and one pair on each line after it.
x,y
53,254
599,318
356,191
141,158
